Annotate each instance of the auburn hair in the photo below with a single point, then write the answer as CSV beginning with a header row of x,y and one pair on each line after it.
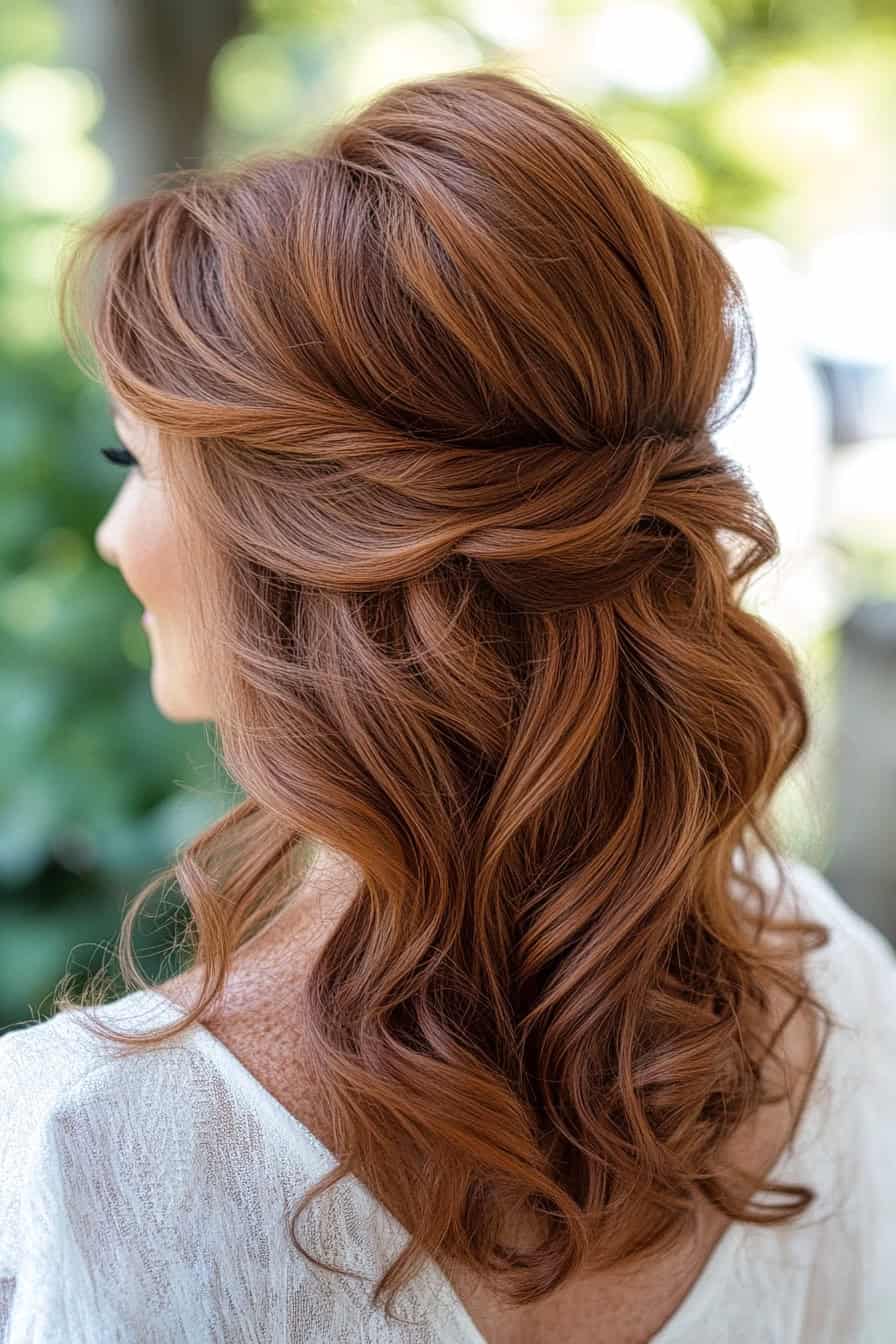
x,y
435,406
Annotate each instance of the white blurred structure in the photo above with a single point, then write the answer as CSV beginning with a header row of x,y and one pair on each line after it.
x,y
851,293
781,438
851,297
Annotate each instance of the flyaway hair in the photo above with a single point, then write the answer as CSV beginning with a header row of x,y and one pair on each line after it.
x,y
436,406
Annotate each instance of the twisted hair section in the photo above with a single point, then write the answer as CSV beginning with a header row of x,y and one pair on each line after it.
x,y
436,407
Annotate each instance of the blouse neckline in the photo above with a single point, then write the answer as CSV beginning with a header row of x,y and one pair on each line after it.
x,y
807,1135
444,1294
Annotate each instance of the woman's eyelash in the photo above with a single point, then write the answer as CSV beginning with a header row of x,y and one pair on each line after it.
x,y
122,456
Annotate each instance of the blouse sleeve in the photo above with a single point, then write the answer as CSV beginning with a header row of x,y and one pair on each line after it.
x,y
88,1148
137,1202
37,1070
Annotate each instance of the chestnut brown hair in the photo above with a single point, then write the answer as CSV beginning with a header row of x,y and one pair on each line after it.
x,y
435,407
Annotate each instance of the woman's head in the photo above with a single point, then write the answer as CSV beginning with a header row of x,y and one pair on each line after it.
x,y
462,295
465,265
460,569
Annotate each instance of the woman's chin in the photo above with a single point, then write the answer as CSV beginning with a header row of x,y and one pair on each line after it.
x,y
175,708
175,693
167,704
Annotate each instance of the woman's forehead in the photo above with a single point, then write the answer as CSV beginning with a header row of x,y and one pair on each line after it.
x,y
115,406
119,411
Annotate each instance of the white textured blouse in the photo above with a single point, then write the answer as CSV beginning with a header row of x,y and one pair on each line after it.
x,y
143,1199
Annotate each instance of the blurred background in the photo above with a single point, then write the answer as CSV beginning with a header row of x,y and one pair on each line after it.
x,y
772,125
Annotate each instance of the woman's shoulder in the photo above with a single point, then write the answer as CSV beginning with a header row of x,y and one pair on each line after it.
x,y
855,969
814,891
62,1083
44,1060
60,1091
53,1069
75,1102
110,1132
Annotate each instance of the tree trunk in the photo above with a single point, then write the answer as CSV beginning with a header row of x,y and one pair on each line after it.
x,y
152,59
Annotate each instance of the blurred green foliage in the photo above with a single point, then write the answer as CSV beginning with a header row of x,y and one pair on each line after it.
x,y
97,789
88,798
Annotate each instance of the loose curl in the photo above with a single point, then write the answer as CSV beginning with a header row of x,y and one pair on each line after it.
x,y
435,412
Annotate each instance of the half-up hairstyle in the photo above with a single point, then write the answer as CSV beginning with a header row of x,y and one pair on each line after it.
x,y
435,408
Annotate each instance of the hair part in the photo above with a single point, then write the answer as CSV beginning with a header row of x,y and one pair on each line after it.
x,y
435,408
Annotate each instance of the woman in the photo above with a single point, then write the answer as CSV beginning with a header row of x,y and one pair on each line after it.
x,y
503,1011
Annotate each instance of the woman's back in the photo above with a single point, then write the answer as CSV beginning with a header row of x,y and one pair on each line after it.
x,y
143,1197
607,1308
